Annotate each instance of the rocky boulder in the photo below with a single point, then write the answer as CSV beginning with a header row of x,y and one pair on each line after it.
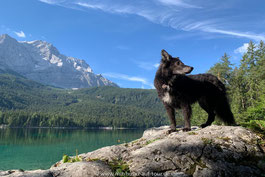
x,y
212,151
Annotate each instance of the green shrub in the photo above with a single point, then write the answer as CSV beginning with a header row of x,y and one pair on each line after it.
x,y
256,125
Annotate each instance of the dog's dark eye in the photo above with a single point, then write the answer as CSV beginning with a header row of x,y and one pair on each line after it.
x,y
178,63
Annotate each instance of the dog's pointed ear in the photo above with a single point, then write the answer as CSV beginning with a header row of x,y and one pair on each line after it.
x,y
165,55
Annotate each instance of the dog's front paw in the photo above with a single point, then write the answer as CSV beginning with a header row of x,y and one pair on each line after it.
x,y
186,129
170,131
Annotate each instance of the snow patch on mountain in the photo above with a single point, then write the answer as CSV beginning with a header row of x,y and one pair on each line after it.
x,y
41,61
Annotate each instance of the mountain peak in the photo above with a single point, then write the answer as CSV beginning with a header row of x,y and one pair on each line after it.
x,y
6,38
42,62
38,42
43,46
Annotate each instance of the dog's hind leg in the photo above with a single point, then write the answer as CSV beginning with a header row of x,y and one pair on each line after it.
x,y
209,110
187,111
171,115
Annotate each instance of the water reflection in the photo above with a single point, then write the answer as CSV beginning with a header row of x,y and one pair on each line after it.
x,y
40,148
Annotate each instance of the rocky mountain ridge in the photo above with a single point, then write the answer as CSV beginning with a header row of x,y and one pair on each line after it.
x,y
212,151
42,62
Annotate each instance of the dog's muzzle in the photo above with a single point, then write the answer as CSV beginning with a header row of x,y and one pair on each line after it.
x,y
188,69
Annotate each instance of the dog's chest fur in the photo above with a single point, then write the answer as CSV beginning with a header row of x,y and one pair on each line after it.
x,y
167,98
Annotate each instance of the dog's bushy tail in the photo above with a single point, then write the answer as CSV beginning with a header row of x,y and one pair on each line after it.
x,y
223,111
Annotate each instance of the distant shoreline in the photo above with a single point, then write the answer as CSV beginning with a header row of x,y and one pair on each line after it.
x,y
2,126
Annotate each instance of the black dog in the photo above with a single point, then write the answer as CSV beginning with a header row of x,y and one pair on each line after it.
x,y
178,91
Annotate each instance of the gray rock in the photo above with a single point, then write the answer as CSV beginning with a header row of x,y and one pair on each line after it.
x,y
77,169
212,151
82,169
19,173
108,153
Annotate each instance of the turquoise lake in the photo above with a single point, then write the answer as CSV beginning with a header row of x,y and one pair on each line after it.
x,y
30,148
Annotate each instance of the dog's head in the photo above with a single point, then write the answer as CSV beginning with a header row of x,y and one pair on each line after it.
x,y
174,65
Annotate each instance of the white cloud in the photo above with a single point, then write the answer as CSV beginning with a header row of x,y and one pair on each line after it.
x,y
144,81
92,6
20,34
156,65
119,8
51,1
177,3
177,14
189,25
211,26
146,65
255,37
243,49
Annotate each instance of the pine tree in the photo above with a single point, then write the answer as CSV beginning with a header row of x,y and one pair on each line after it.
x,y
247,77
223,69
261,68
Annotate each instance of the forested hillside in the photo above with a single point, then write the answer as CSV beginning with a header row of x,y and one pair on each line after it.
x,y
27,103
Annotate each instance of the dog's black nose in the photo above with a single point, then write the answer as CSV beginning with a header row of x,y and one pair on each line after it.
x,y
191,68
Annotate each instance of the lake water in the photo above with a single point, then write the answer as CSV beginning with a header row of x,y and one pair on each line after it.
x,y
30,149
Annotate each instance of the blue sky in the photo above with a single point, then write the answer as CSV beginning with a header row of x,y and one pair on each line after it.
x,y
122,39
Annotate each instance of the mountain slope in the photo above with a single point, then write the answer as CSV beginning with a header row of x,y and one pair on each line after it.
x,y
42,62
27,103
